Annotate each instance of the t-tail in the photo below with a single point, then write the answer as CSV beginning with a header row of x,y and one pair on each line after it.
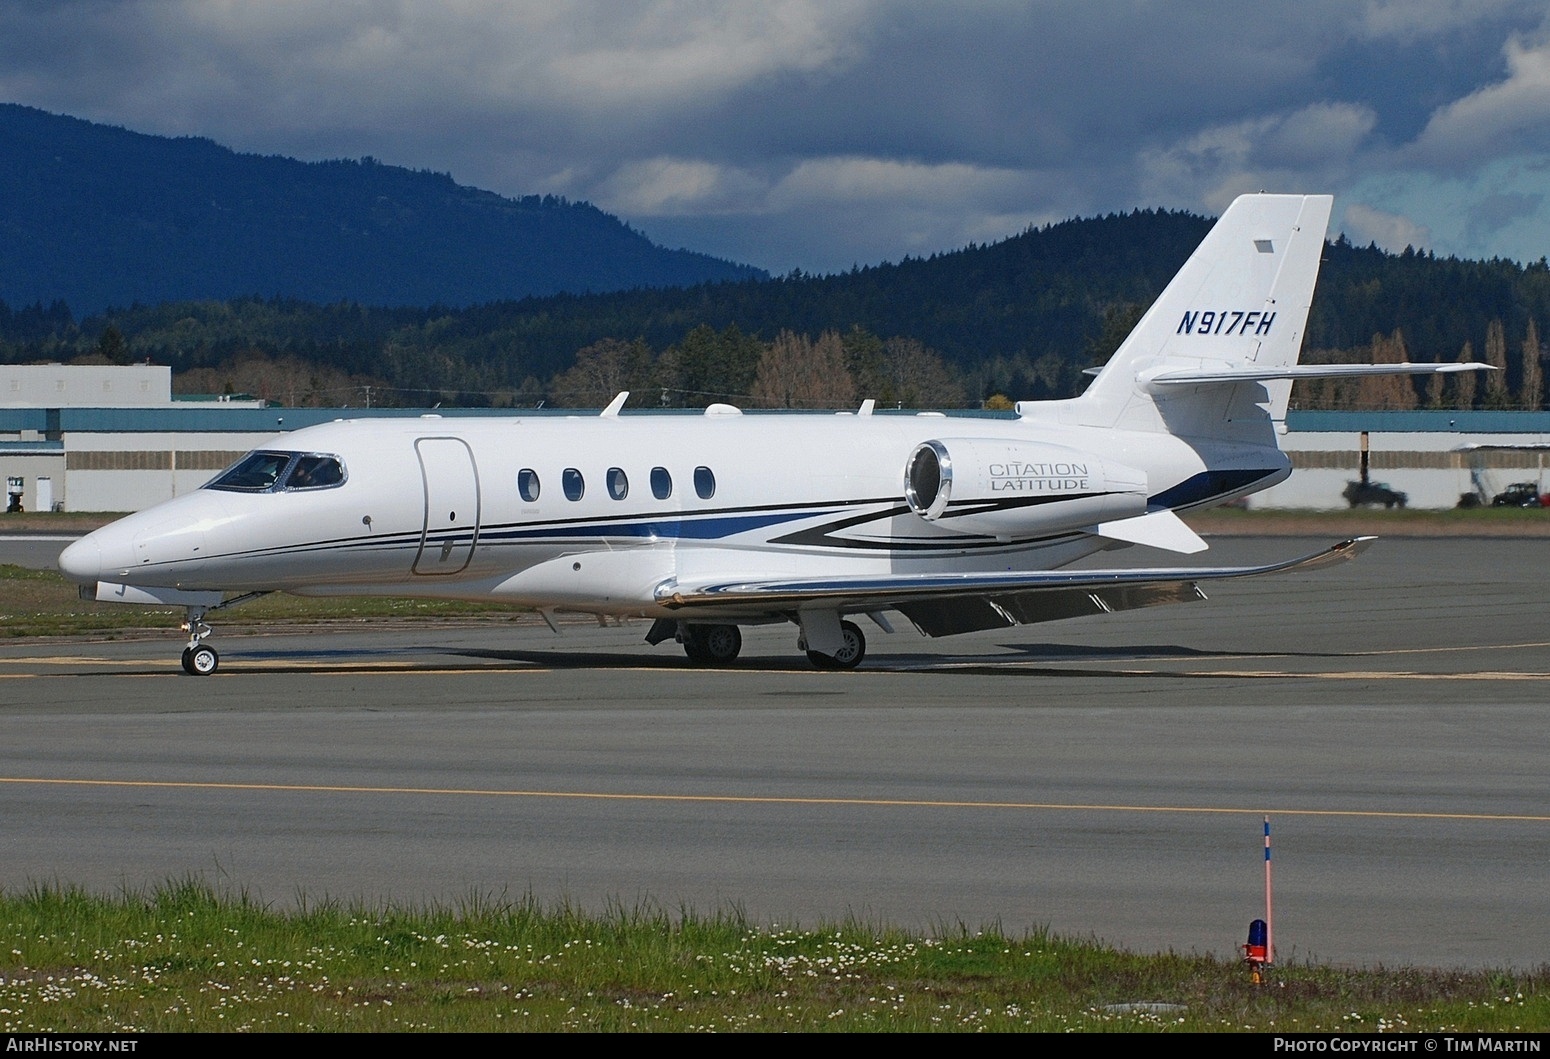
x,y
1216,355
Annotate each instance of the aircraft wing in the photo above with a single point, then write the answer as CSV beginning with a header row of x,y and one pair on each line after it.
x,y
944,604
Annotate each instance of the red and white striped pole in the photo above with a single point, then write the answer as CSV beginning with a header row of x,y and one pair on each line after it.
x,y
1270,951
1257,952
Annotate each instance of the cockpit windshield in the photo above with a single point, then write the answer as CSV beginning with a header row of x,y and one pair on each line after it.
x,y
268,472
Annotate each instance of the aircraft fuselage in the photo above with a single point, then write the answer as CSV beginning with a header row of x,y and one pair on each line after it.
x,y
594,513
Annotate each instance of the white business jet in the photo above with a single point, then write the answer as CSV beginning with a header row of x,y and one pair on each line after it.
x,y
708,523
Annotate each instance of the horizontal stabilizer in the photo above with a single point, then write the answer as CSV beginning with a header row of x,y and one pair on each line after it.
x,y
1168,376
1155,529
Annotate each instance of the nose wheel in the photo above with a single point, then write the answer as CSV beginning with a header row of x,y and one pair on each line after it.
x,y
200,660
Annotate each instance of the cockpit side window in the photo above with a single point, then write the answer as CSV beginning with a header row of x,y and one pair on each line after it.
x,y
266,472
315,472
257,472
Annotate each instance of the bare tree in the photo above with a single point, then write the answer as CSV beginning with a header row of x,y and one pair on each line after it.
x,y
796,372
1532,392
1496,356
1437,391
916,377
1464,381
1387,392
602,370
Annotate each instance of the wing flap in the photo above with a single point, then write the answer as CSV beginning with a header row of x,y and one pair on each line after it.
x,y
967,602
948,617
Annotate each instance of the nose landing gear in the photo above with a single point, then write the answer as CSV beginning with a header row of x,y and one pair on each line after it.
x,y
199,658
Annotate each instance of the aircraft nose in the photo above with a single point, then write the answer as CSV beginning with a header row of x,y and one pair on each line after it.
x,y
82,561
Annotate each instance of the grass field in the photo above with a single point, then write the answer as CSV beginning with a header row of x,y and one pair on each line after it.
x,y
43,603
187,959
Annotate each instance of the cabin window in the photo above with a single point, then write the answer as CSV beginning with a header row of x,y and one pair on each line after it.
x,y
618,483
315,472
257,472
527,484
661,483
704,482
573,484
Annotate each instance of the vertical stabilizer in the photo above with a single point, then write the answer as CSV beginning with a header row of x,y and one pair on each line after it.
x,y
1240,302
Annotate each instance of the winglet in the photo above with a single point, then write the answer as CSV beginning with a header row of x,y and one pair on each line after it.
x,y
614,406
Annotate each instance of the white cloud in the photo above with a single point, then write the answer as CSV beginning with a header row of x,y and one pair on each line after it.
x,y
1318,133
1391,231
859,207
842,179
577,55
675,187
1409,20
1306,149
1497,116
683,49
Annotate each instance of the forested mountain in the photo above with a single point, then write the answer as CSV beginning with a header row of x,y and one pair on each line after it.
x,y
1021,318
97,216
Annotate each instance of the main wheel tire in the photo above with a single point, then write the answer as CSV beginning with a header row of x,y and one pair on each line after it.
x,y
200,661
713,645
850,654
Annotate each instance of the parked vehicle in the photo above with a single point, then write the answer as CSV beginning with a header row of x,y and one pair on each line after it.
x,y
1360,494
1521,494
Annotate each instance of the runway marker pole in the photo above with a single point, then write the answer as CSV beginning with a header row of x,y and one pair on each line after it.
x,y
1270,951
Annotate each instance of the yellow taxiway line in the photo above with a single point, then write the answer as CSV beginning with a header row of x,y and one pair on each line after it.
x,y
735,799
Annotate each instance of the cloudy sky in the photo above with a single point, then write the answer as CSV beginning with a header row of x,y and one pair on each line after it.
x,y
818,134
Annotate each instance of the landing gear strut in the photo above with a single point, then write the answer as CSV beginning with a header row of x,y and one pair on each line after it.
x,y
851,651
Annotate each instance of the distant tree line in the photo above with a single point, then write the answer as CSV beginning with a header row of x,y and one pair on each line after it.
x,y
792,371
1019,319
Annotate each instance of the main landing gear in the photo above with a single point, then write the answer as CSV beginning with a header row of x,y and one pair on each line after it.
x,y
720,644
712,645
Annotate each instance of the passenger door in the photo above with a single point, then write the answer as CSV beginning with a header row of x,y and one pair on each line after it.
x,y
451,482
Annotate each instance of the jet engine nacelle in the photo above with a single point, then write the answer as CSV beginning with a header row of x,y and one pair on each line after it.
x,y
1010,489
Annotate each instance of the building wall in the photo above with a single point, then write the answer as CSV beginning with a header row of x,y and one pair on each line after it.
x,y
1433,467
85,385
128,472
30,465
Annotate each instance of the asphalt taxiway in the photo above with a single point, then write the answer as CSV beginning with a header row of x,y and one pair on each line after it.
x,y
1104,776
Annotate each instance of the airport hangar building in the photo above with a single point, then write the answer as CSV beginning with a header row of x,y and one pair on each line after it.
x,y
108,438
